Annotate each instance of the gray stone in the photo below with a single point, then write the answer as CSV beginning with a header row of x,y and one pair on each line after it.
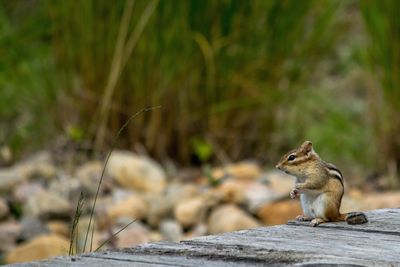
x,y
31,227
171,230
47,204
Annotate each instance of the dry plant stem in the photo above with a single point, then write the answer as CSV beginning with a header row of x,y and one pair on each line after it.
x,y
113,235
105,165
121,55
77,215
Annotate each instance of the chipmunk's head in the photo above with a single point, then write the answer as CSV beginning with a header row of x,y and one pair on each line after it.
x,y
297,161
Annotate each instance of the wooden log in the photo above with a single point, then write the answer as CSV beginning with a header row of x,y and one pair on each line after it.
x,y
374,244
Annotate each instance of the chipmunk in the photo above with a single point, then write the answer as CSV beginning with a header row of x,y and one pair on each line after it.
x,y
320,185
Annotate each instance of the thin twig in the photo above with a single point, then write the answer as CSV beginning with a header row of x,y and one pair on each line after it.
x,y
113,235
105,164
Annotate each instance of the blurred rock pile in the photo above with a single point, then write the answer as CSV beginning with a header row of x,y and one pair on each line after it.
x,y
38,202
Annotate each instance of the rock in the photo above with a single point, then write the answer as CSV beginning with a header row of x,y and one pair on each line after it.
x,y
190,211
134,235
41,247
58,227
155,236
46,204
158,209
233,191
9,178
39,165
4,210
136,172
258,194
161,206
228,217
9,232
175,193
171,230
133,206
198,230
280,212
67,187
31,227
89,176
279,182
241,170
26,190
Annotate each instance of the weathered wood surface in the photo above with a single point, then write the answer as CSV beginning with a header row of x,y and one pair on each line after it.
x,y
296,244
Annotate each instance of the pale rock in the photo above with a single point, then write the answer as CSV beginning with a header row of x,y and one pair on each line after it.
x,y
240,170
228,217
38,165
89,175
158,209
279,182
258,194
171,230
155,236
47,204
9,233
280,212
133,235
26,190
4,210
136,172
175,193
161,206
9,178
31,227
41,247
133,206
233,191
190,211
66,187
198,230
59,227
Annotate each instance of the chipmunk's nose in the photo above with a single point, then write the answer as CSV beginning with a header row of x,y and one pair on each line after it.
x,y
278,166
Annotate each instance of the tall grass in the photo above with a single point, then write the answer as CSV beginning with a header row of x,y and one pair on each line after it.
x,y
212,65
382,23
229,75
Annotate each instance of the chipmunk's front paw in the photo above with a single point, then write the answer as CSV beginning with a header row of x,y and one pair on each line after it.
x,y
294,193
302,218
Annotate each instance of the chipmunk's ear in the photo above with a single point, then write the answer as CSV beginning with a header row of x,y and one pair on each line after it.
x,y
307,147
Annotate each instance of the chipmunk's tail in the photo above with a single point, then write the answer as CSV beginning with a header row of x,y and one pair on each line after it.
x,y
354,217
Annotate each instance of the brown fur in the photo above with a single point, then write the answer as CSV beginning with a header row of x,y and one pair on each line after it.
x,y
321,184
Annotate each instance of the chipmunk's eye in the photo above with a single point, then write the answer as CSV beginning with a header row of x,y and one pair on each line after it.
x,y
291,157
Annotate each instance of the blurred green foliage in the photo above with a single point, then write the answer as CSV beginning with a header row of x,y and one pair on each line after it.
x,y
252,78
